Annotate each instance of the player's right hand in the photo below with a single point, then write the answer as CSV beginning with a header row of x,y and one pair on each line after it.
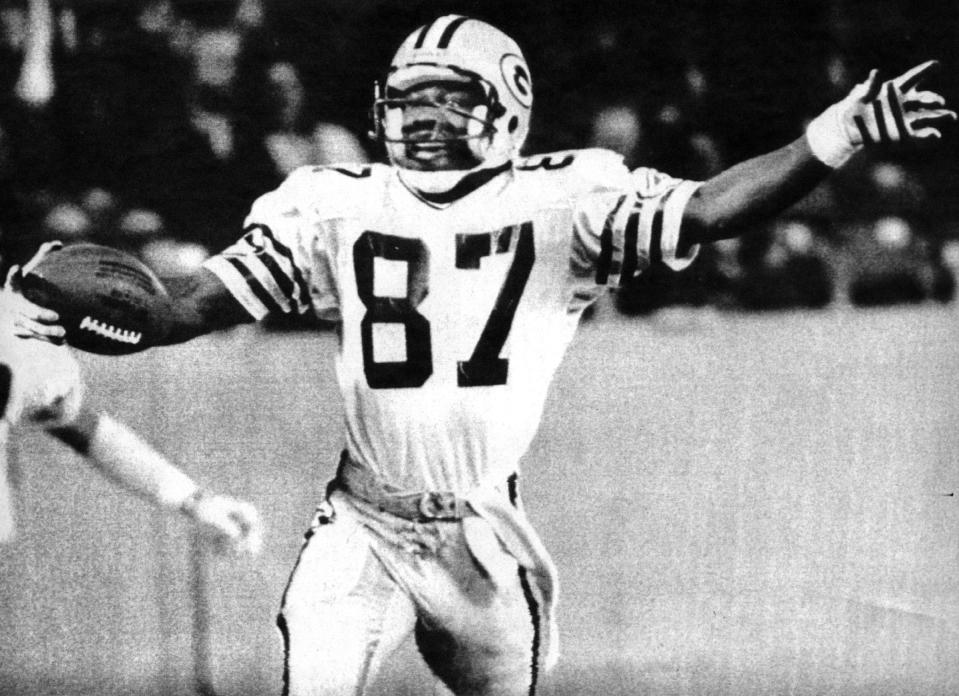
x,y
26,319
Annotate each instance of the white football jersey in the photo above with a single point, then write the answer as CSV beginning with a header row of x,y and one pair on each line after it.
x,y
40,385
454,315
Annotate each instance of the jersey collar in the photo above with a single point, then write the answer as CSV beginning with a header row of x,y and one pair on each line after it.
x,y
464,187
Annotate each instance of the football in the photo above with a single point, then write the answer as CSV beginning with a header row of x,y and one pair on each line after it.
x,y
109,301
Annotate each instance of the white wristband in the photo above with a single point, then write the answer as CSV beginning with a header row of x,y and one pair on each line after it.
x,y
827,138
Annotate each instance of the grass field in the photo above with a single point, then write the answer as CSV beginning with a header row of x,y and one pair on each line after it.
x,y
737,505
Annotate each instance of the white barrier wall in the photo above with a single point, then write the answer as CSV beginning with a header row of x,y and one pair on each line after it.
x,y
737,505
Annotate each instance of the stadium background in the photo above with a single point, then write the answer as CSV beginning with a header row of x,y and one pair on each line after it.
x,y
739,502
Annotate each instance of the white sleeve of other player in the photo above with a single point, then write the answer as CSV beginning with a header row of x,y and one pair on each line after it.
x,y
46,387
40,385
629,221
7,522
271,268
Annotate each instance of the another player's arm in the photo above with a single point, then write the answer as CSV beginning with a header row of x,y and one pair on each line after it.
x,y
201,304
875,113
128,460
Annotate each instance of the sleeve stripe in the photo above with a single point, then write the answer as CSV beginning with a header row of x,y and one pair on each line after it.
x,y
265,269
236,284
630,252
672,226
605,256
256,287
284,285
299,281
605,260
656,232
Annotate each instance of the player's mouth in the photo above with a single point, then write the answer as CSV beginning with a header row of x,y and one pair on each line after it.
x,y
429,149
434,152
430,130
436,146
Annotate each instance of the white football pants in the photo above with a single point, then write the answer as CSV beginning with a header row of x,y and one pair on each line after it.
x,y
366,579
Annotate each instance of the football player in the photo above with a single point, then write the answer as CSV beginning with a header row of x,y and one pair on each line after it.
x,y
458,273
41,386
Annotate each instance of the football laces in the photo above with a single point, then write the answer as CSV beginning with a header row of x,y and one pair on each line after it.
x,y
111,332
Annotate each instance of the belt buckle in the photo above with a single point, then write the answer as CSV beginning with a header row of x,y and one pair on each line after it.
x,y
436,505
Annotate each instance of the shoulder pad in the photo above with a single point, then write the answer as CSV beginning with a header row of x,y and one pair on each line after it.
x,y
592,168
335,188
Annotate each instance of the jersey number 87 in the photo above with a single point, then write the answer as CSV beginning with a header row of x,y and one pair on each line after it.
x,y
484,368
6,385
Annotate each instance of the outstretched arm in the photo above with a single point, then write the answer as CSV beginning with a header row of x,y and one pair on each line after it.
x,y
731,202
201,304
127,459
874,114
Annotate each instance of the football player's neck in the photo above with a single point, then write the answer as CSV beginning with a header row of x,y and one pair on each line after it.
x,y
444,188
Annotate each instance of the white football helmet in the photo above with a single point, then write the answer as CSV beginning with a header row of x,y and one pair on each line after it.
x,y
454,48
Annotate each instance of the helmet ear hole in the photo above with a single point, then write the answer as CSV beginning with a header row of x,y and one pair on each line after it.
x,y
513,124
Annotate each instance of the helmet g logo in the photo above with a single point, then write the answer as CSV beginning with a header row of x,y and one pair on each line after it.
x,y
517,79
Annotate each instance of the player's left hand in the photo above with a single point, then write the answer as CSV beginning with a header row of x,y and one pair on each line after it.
x,y
29,320
234,524
877,113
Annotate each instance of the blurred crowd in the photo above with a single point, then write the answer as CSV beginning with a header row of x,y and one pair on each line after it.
x,y
153,124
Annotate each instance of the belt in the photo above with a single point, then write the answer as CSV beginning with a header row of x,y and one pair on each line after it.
x,y
419,506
